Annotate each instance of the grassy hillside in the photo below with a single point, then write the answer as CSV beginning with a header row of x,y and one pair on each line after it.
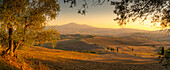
x,y
5,66
69,55
76,45
43,58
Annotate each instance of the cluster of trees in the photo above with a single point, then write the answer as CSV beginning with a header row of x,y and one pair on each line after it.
x,y
76,36
22,22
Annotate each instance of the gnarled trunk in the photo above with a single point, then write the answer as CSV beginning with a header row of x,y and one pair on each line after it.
x,y
16,45
11,40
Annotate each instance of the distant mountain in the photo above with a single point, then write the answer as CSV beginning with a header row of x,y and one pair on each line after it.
x,y
73,28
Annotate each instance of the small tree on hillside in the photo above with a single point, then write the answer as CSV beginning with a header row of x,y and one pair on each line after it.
x,y
47,35
22,20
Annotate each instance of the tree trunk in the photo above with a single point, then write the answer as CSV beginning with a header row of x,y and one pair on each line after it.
x,y
10,41
16,46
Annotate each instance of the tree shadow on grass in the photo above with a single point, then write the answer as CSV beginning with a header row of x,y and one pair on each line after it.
x,y
74,64
6,66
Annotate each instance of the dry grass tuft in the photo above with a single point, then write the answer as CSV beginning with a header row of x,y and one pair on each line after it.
x,y
43,67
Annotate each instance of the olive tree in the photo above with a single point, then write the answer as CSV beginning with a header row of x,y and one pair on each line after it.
x,y
22,20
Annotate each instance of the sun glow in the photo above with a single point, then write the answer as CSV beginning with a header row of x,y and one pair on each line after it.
x,y
99,16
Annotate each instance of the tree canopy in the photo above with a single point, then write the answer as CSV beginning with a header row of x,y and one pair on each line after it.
x,y
157,11
21,20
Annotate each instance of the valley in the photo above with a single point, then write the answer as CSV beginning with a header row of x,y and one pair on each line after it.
x,y
121,51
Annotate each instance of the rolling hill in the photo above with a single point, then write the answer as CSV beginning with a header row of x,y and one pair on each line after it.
x,y
73,28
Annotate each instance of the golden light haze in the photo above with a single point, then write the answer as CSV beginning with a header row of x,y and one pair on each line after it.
x,y
98,16
107,24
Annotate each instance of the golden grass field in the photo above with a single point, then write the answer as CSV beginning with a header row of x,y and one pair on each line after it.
x,y
44,58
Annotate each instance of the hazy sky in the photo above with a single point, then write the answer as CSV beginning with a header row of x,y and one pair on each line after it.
x,y
99,16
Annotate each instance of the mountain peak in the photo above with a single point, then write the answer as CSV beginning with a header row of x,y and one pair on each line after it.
x,y
72,24
76,25
74,28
